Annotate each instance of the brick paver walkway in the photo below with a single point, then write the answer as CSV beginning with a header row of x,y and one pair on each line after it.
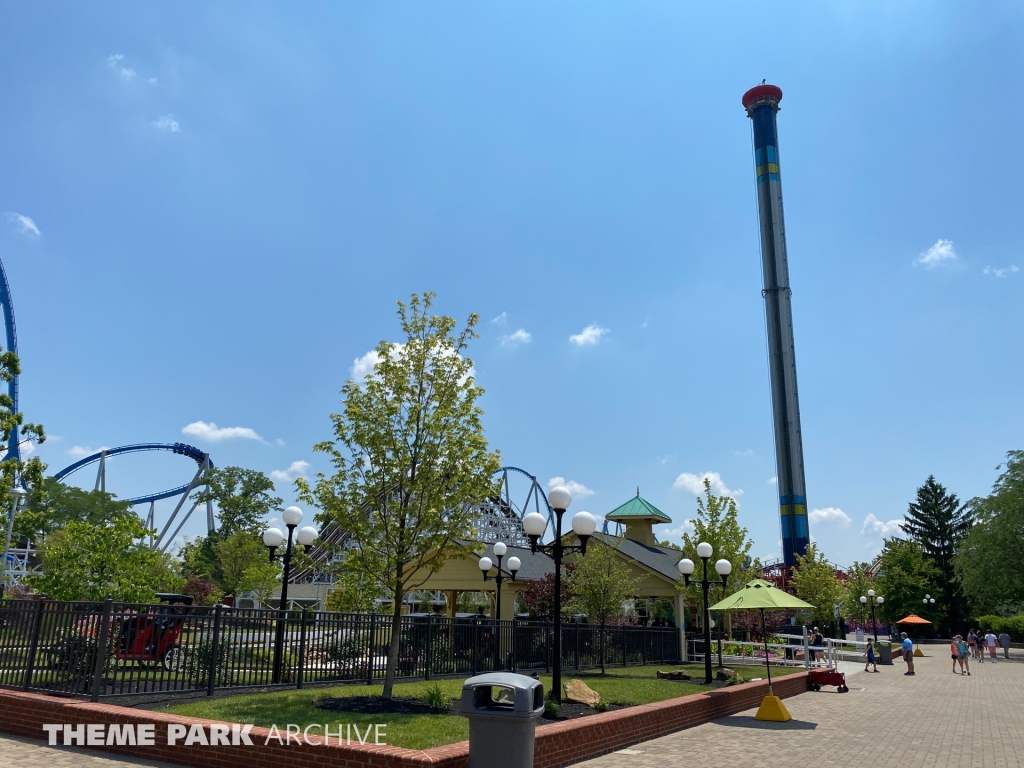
x,y
934,719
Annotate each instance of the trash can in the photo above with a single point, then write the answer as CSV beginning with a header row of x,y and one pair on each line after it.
x,y
503,709
885,653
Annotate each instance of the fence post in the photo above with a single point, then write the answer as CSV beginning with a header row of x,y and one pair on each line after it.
x,y
211,680
623,645
426,664
302,649
547,648
101,650
476,645
643,645
807,655
371,659
577,644
33,644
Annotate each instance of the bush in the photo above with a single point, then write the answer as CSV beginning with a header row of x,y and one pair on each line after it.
x,y
436,698
550,709
198,658
1013,625
343,649
601,706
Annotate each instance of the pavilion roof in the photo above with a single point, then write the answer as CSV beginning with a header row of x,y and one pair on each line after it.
x,y
637,508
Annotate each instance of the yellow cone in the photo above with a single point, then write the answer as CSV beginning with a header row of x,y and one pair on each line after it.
x,y
917,652
772,708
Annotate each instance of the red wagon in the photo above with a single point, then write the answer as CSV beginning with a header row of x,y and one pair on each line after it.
x,y
819,677
151,638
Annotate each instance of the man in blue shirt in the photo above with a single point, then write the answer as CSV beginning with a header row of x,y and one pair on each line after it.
x,y
908,653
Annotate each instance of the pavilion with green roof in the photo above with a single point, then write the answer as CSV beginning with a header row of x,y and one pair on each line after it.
x,y
639,515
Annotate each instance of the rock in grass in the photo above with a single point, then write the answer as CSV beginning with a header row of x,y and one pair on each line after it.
x,y
577,690
673,674
728,675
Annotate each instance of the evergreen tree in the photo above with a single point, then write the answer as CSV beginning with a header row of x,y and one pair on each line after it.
x,y
938,522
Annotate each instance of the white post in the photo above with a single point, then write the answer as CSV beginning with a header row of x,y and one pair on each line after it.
x,y
807,649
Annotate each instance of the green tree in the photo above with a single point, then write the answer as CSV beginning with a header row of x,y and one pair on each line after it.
x,y
905,576
244,499
858,581
355,591
717,523
988,564
410,458
16,471
601,583
814,580
938,522
245,567
52,505
83,561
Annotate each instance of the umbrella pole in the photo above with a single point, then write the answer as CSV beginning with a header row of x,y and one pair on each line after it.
x,y
764,634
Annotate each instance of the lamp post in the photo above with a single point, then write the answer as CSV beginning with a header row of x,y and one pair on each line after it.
x,y
879,600
723,568
17,494
273,538
583,525
514,564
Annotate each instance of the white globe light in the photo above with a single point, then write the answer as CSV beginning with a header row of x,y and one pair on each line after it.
x,y
292,516
704,550
880,599
500,549
932,601
485,564
584,524
273,537
871,593
863,600
534,524
559,498
307,535
711,623
724,567
685,566
514,563
925,601
927,597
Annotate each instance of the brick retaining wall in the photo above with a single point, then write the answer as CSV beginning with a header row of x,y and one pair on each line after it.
x,y
558,744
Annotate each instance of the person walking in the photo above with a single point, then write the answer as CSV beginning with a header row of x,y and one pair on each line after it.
x,y
1004,640
991,642
817,646
871,658
955,653
965,659
972,643
908,653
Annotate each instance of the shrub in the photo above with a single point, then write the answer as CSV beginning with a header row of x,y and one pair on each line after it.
x,y
199,656
436,698
1013,625
550,709
601,706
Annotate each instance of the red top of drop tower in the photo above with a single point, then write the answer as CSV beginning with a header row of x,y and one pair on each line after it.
x,y
762,93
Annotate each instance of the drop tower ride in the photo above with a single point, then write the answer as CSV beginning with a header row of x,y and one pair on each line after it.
x,y
762,104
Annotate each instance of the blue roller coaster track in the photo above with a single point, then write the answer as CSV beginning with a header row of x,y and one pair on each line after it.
x,y
13,444
200,457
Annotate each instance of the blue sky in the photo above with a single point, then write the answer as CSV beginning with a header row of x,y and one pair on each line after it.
x,y
210,209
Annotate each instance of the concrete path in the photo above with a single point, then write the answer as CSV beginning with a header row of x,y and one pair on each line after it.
x,y
933,719
19,752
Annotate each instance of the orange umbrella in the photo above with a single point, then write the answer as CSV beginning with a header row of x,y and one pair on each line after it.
x,y
913,619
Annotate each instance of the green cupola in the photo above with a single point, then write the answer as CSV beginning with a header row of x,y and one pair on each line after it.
x,y
639,516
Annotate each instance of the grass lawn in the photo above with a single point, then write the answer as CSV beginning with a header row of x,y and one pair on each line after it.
x,y
425,731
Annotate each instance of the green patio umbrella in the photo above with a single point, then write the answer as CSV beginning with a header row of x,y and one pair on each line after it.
x,y
763,596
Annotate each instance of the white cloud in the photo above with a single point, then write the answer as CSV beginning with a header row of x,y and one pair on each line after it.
x,y
1001,272
500,319
167,123
695,484
829,515
588,336
81,451
938,253
297,469
874,526
578,490
362,367
746,452
516,339
24,224
773,481
677,533
114,62
210,432
152,81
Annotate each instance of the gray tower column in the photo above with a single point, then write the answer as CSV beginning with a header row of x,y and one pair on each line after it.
x,y
762,104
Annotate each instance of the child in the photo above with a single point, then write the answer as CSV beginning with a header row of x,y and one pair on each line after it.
x,y
965,658
871,658
954,650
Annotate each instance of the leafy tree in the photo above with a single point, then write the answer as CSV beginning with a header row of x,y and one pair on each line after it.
x,y
244,498
83,561
355,592
905,576
601,583
988,564
16,471
717,523
858,581
52,505
245,566
410,458
938,522
538,597
201,589
814,580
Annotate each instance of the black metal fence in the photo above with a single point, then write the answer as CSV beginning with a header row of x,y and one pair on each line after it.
x,y
99,650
